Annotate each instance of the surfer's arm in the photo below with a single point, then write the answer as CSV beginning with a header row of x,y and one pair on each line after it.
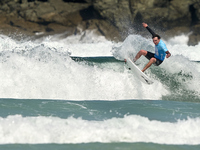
x,y
150,31
147,27
164,48
168,54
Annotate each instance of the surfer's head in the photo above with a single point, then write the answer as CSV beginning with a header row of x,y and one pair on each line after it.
x,y
156,39
156,35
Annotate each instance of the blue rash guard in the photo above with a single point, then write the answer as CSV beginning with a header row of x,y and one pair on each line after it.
x,y
160,50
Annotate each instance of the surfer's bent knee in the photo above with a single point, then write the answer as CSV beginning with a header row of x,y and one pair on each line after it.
x,y
153,59
143,52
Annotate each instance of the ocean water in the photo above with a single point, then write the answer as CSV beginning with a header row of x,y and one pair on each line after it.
x,y
77,93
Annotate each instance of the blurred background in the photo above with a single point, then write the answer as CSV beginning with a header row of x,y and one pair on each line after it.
x,y
114,19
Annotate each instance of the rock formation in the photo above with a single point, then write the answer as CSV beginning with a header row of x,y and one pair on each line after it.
x,y
114,19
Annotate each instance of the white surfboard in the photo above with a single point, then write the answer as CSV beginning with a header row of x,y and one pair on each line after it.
x,y
143,77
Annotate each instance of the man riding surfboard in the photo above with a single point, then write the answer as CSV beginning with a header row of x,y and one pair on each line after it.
x,y
161,51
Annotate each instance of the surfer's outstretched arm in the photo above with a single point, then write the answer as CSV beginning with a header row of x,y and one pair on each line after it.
x,y
146,26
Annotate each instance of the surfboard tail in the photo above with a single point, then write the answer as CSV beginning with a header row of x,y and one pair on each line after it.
x,y
143,77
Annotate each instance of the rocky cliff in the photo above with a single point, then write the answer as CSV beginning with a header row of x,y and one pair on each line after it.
x,y
114,19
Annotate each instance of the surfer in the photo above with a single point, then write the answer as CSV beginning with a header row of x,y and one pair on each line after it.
x,y
161,51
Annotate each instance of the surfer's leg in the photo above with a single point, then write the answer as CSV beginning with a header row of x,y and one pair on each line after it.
x,y
139,54
151,61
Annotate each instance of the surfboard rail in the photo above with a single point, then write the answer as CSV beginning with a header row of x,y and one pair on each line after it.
x,y
141,75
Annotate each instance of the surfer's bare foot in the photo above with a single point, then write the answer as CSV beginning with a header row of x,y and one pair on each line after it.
x,y
134,60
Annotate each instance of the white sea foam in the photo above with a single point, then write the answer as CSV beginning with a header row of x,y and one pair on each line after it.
x,y
43,69
18,129
178,46
180,65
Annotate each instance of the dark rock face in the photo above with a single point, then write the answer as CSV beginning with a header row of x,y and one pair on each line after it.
x,y
114,19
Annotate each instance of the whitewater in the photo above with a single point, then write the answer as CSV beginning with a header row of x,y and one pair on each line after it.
x,y
78,92
44,69
129,129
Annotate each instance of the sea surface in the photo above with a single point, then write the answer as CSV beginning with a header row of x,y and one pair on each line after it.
x,y
77,93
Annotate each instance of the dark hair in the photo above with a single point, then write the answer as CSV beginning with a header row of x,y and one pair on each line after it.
x,y
156,35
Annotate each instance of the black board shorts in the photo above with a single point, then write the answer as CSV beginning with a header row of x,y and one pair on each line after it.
x,y
151,55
